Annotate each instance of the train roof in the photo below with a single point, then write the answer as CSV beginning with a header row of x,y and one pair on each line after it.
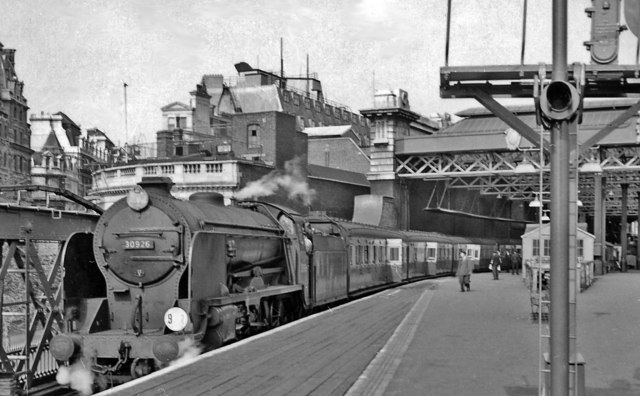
x,y
358,229
368,230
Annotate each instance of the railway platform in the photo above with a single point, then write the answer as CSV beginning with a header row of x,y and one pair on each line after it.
x,y
425,338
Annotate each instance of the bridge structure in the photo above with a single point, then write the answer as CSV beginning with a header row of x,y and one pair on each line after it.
x,y
31,242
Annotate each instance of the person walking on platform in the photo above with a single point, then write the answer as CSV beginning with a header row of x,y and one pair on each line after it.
x,y
506,260
494,264
516,263
464,271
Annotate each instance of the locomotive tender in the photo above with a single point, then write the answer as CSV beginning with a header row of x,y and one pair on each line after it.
x,y
159,271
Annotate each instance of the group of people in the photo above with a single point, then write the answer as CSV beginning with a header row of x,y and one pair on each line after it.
x,y
510,259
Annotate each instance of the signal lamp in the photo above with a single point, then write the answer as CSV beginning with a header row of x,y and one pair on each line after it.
x,y
559,101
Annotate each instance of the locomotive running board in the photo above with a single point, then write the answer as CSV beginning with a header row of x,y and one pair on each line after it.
x,y
254,297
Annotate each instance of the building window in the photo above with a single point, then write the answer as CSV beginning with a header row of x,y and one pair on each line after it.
x,y
171,123
307,103
181,122
580,248
327,110
536,248
287,97
296,99
253,135
318,106
300,122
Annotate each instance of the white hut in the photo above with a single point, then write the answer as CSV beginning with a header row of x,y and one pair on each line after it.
x,y
531,250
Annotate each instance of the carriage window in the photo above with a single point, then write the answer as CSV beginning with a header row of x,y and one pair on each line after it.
x,y
375,254
394,254
431,253
352,253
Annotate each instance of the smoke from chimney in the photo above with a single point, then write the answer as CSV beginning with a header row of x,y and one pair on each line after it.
x,y
292,181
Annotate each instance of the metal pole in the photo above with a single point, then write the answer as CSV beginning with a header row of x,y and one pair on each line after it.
x,y
599,249
559,326
308,76
446,48
126,121
126,125
638,237
623,227
524,31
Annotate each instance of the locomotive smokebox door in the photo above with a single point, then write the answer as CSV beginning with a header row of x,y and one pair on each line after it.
x,y
141,247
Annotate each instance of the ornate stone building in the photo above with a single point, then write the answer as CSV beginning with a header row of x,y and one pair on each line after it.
x,y
15,135
64,158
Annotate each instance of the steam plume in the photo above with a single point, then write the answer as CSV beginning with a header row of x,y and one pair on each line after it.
x,y
77,376
291,180
187,350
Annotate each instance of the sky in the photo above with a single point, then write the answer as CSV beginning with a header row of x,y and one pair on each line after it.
x,y
75,55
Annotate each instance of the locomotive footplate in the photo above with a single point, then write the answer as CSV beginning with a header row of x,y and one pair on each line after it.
x,y
253,297
105,344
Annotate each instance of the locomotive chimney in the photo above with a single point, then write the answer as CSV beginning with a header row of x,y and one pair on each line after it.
x,y
157,184
213,198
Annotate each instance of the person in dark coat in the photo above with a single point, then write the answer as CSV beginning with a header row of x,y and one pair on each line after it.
x,y
464,271
506,260
516,263
495,263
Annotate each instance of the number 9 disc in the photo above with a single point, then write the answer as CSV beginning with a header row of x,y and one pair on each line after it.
x,y
176,319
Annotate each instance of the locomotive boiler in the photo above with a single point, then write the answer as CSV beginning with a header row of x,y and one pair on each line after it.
x,y
159,272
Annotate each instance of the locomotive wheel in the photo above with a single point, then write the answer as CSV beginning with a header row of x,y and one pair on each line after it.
x,y
274,312
141,367
266,312
278,313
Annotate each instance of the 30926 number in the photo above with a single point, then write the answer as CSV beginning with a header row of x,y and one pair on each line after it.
x,y
138,244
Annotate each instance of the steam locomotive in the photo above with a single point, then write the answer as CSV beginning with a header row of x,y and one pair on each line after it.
x,y
159,272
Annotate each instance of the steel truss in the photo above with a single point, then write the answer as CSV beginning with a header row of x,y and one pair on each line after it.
x,y
29,296
495,173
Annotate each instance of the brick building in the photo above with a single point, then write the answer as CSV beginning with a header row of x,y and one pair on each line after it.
x,y
15,135
236,131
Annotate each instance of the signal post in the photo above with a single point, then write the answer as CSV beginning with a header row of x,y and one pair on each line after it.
x,y
558,96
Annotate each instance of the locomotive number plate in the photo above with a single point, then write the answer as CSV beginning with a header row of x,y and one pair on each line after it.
x,y
138,244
